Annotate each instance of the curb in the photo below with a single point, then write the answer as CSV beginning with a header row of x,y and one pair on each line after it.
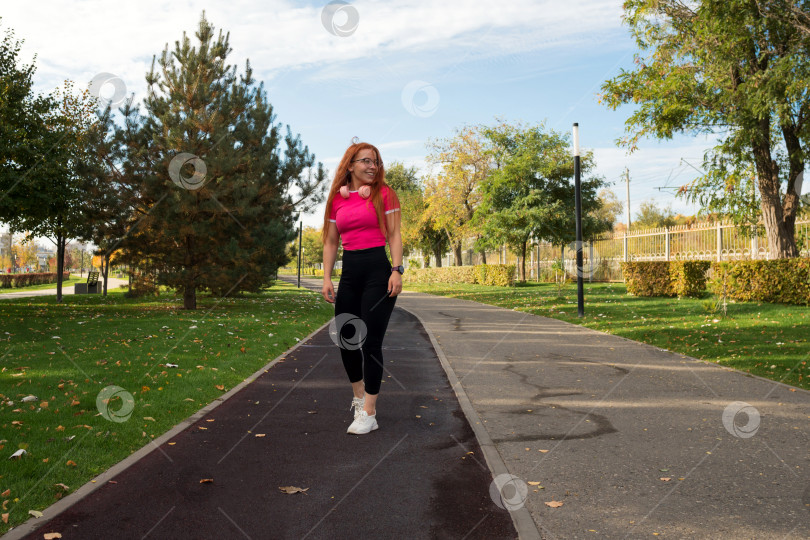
x,y
57,508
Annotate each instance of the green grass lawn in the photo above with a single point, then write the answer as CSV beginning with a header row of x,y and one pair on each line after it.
x,y
74,279
769,340
65,354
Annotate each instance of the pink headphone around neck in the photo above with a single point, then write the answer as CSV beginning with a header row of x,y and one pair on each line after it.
x,y
364,191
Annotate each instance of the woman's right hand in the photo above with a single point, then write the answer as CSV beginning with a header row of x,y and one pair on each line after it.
x,y
328,291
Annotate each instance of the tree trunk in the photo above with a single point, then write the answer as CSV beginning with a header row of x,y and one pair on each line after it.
x,y
523,262
781,239
106,271
438,254
190,298
457,253
60,264
483,256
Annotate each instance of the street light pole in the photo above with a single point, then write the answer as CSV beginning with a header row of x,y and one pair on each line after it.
x,y
578,210
300,238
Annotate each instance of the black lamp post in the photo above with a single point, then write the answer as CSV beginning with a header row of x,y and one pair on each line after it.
x,y
300,239
578,210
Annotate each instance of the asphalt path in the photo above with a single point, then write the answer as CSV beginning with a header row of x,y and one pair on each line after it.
x,y
420,475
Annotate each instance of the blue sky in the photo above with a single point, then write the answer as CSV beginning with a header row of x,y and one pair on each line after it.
x,y
403,73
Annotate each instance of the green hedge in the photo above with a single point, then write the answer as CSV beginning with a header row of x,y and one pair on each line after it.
x,y
8,281
784,281
483,274
665,278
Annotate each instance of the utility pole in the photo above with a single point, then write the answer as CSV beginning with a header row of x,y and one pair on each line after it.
x,y
627,177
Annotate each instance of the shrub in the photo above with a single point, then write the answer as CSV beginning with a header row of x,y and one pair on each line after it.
x,y
665,278
785,281
28,279
483,274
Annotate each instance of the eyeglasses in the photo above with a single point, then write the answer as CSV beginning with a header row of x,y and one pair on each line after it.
x,y
367,162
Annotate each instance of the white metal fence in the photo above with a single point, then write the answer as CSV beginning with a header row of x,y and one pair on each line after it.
x,y
602,257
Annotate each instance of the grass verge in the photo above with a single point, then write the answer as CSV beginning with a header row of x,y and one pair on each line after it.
x,y
769,340
65,354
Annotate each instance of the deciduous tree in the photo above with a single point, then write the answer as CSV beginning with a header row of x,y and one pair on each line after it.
x,y
725,68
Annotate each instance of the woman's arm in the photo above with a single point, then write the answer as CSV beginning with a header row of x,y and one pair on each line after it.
x,y
330,248
392,222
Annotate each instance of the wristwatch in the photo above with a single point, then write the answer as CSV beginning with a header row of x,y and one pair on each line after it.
x,y
400,269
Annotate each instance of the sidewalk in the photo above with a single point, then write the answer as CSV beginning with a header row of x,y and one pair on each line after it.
x,y
629,437
112,283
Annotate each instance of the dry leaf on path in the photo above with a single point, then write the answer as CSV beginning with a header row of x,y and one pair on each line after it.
x,y
533,483
35,513
554,504
51,536
292,489
260,434
665,479
207,481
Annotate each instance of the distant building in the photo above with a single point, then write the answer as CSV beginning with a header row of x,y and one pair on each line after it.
x,y
43,256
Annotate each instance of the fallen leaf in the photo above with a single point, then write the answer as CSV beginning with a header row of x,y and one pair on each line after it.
x,y
665,479
71,463
533,483
149,418
544,451
172,443
207,481
554,504
210,420
63,486
292,489
220,387
5,518
35,513
6,493
260,434
242,349
51,536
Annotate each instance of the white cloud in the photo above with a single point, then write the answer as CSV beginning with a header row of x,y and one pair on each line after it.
x,y
76,40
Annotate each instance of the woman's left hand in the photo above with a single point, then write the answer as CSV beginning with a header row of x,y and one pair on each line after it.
x,y
394,283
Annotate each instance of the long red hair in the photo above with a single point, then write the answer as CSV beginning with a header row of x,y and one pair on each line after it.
x,y
343,177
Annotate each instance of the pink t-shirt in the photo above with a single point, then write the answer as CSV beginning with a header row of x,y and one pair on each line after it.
x,y
356,219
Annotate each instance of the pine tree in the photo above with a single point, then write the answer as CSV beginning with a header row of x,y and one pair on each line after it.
x,y
220,210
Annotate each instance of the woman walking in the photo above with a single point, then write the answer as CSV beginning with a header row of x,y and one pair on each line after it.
x,y
363,213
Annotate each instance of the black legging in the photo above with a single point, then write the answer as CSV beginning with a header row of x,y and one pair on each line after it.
x,y
363,292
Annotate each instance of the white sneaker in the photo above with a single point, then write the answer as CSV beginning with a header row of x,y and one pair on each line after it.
x,y
363,424
357,405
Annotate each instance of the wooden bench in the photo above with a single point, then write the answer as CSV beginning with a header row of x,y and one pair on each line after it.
x,y
91,287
